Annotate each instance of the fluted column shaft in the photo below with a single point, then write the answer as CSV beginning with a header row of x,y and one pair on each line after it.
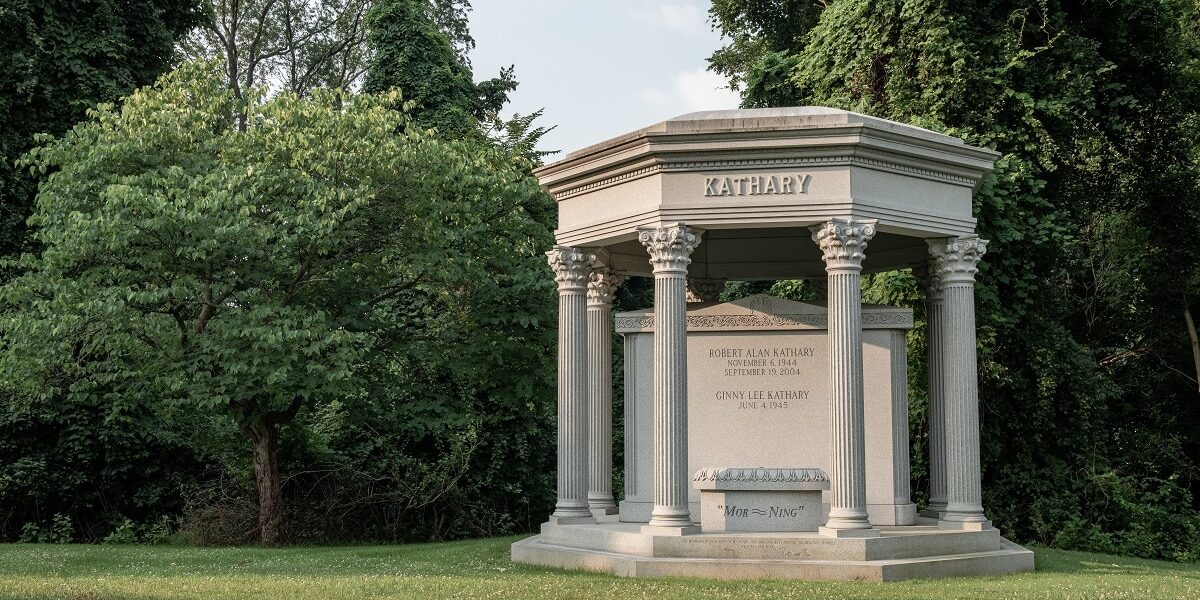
x,y
669,248
601,287
843,243
572,267
935,319
956,263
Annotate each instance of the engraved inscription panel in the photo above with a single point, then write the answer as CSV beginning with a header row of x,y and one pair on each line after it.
x,y
756,510
758,400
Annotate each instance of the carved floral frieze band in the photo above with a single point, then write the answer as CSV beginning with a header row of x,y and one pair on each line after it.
x,y
670,246
874,319
843,242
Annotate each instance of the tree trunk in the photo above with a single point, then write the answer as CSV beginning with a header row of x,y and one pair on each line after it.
x,y
1191,327
265,438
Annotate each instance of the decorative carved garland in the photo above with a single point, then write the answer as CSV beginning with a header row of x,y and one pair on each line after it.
x,y
761,475
898,318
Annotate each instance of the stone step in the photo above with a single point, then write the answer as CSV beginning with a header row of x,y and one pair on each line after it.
x,y
914,542
1010,559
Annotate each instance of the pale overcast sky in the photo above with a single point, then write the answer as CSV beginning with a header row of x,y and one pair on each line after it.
x,y
600,67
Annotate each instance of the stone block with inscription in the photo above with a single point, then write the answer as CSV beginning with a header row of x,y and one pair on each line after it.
x,y
758,394
760,499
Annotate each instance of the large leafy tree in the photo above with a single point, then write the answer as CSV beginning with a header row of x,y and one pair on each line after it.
x,y
1088,394
57,59
255,272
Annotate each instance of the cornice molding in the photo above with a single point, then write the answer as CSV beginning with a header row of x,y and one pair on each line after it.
x,y
675,166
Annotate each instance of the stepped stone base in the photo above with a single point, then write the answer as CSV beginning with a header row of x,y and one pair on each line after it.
x,y
902,552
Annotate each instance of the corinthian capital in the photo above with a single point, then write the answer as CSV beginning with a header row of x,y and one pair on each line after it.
x,y
956,260
670,247
704,290
571,266
843,242
602,286
929,280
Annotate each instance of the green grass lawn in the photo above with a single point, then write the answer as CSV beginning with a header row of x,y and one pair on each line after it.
x,y
481,569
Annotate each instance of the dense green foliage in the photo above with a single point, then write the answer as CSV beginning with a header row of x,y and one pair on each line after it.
x,y
410,52
60,57
1089,398
57,59
317,280
328,261
482,569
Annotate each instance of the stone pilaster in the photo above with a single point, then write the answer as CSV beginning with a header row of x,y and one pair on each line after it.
x,y
600,290
670,247
935,319
955,262
843,244
572,267
704,290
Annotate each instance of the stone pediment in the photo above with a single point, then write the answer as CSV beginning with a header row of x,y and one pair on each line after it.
x,y
762,311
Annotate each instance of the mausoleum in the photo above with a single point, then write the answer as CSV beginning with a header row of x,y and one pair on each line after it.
x,y
766,437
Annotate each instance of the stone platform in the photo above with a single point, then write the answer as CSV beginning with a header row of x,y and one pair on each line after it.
x,y
901,552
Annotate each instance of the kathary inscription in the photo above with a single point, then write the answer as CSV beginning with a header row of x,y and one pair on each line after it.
x,y
756,185
757,377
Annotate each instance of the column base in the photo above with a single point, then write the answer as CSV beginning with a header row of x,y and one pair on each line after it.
x,y
965,525
602,508
870,532
934,510
670,530
606,515
892,514
557,520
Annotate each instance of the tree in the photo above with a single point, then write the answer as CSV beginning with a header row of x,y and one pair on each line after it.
x,y
410,52
284,45
419,47
762,34
1094,217
59,58
251,272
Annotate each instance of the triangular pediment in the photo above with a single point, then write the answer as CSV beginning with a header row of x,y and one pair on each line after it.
x,y
759,304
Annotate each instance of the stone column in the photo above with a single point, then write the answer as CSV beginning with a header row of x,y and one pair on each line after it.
x,y
935,320
843,243
572,267
601,287
704,290
955,261
669,247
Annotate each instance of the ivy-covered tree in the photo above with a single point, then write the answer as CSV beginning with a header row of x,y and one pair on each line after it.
x,y
419,47
57,59
255,273
1088,392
